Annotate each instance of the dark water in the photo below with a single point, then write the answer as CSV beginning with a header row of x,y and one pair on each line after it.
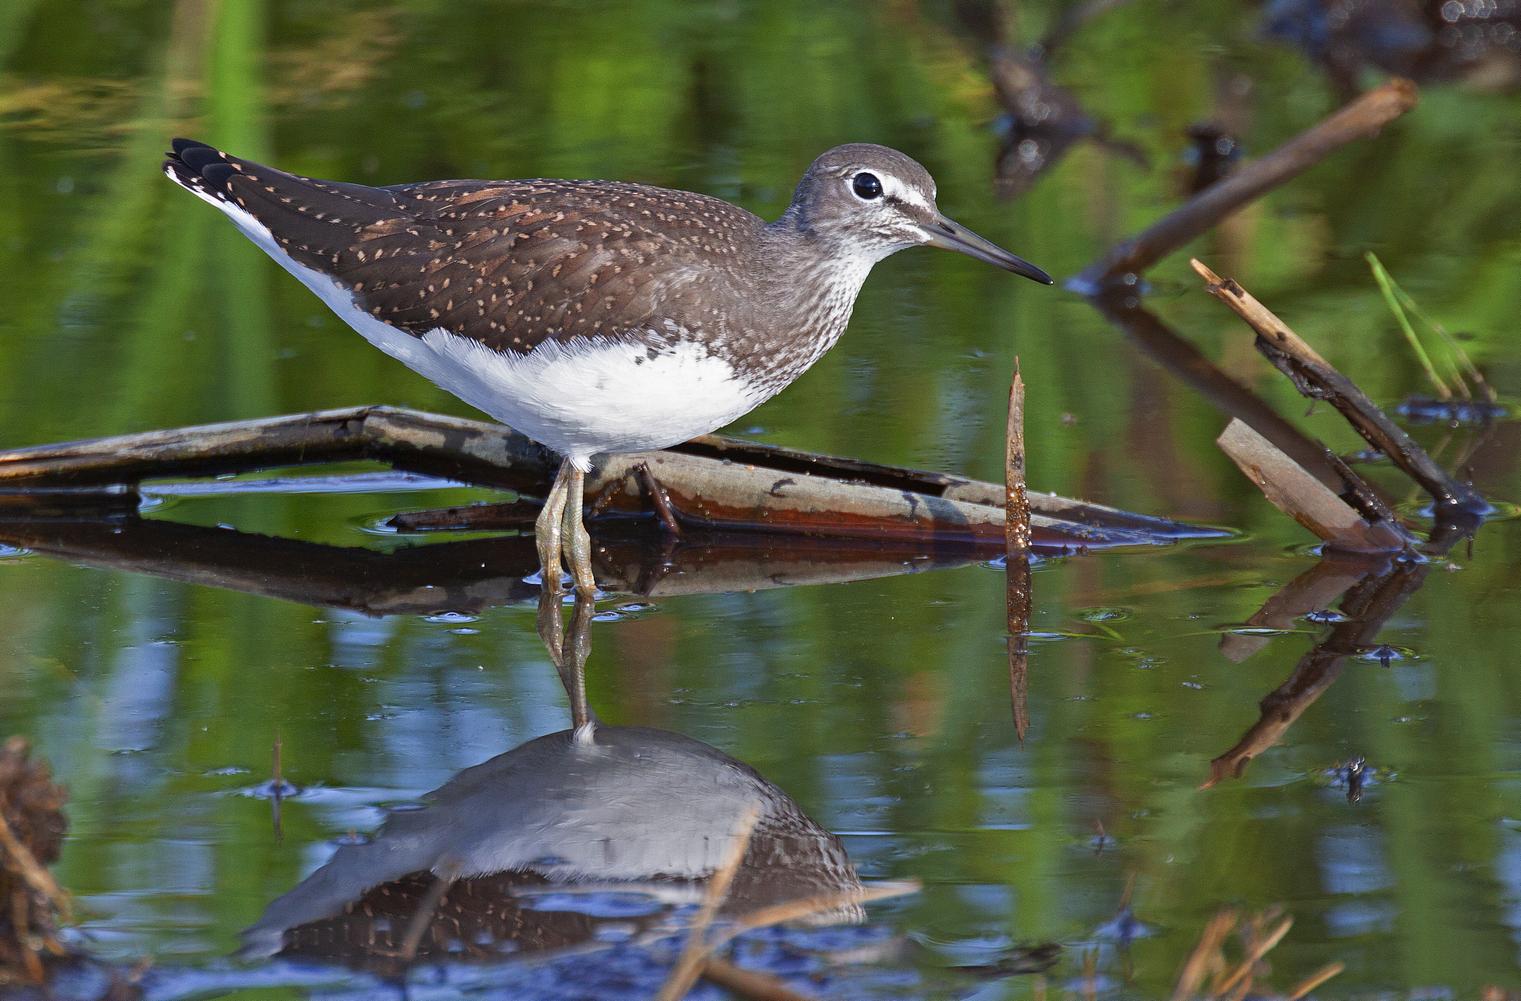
x,y
880,707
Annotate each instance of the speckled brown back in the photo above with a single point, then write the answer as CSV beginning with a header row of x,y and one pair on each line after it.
x,y
507,263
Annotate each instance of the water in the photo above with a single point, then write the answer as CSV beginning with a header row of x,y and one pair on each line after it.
x,y
880,707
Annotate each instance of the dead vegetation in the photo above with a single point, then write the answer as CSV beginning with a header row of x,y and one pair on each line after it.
x,y
32,825
1209,974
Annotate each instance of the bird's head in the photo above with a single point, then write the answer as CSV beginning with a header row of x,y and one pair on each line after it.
x,y
874,201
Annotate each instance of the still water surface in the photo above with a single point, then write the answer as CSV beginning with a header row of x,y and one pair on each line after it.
x,y
880,707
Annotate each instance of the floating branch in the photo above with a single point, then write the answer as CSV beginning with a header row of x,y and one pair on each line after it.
x,y
1316,379
1359,120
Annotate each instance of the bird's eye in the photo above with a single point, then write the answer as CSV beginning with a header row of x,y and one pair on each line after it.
x,y
867,185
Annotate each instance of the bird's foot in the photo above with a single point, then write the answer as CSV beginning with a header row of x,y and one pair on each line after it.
x,y
660,500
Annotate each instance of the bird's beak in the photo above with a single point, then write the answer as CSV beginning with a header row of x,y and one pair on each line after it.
x,y
954,236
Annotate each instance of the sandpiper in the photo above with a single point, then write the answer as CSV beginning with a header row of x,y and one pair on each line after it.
x,y
593,316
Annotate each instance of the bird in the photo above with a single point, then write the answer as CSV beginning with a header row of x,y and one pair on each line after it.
x,y
592,316
619,808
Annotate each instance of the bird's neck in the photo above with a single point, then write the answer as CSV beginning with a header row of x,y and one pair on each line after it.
x,y
810,278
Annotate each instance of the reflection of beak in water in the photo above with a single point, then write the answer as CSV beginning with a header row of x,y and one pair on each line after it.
x,y
539,847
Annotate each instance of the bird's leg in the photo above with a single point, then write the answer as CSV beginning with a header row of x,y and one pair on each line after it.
x,y
547,529
580,540
573,669
660,501
551,622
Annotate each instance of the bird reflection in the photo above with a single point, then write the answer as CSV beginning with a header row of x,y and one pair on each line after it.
x,y
557,842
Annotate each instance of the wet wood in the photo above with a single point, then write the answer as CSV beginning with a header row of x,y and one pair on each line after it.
x,y
1302,497
1316,379
948,486
1361,119
1016,498
451,447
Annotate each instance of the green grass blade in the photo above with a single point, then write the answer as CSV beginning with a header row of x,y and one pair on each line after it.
x,y
1386,285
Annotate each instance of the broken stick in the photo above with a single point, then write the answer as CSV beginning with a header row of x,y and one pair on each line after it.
x,y
1316,379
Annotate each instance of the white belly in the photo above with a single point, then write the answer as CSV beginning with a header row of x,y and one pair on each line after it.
x,y
579,399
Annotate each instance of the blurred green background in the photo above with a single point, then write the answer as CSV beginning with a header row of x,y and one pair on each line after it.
x,y
881,706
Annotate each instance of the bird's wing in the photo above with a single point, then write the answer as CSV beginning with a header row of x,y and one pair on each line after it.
x,y
506,263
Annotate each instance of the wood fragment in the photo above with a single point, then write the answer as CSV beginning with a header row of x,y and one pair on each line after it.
x,y
1361,119
1257,950
749,983
1314,980
1316,379
1301,496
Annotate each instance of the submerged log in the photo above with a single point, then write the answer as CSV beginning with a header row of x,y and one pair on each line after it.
x,y
711,482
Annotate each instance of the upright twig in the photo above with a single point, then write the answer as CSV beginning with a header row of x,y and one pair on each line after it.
x,y
1017,555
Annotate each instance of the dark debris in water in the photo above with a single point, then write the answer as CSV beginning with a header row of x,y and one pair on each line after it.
x,y
1015,961
1429,410
1355,776
1424,40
